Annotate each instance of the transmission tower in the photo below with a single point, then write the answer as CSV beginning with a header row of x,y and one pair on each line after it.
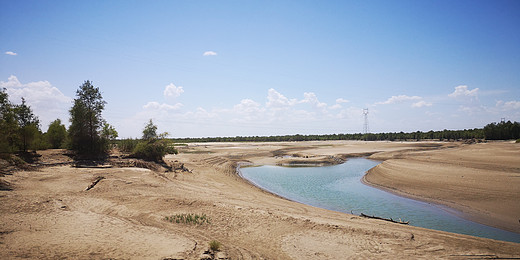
x,y
365,125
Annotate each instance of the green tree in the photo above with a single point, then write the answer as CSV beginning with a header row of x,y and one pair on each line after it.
x,y
150,131
86,122
153,147
109,132
28,124
8,124
56,134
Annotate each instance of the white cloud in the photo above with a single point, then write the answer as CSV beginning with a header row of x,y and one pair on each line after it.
x,y
248,106
161,107
341,100
509,105
201,113
249,109
338,105
209,53
276,100
47,101
463,91
173,91
422,103
11,53
311,98
398,99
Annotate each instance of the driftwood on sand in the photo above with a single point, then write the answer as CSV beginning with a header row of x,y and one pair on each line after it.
x,y
98,179
386,219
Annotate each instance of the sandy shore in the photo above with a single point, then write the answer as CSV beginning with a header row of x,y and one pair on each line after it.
x,y
48,214
480,180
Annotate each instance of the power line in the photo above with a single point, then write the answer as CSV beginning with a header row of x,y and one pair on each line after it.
x,y
365,125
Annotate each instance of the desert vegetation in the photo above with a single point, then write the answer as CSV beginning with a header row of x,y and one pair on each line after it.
x,y
152,146
188,219
214,245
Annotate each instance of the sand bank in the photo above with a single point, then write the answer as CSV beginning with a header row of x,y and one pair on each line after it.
x,y
48,214
480,180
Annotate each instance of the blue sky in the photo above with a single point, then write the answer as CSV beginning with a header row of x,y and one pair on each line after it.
x,y
227,68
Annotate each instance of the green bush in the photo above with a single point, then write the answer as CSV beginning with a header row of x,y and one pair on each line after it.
x,y
153,150
214,245
127,145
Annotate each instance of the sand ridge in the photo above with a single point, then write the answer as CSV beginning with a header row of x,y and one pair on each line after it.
x,y
49,215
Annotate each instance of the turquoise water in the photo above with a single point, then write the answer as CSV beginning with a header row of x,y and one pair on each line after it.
x,y
339,188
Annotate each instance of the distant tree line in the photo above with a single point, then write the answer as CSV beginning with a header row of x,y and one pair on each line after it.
x,y
493,131
502,131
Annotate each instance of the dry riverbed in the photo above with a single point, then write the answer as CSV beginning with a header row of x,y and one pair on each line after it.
x,y
49,214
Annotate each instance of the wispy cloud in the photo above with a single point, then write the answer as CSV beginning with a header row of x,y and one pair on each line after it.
x,y
338,105
463,91
422,103
398,99
341,100
173,91
209,53
161,107
11,53
508,105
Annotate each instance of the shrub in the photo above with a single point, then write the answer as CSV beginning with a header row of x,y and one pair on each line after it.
x,y
153,147
153,150
188,219
214,245
127,145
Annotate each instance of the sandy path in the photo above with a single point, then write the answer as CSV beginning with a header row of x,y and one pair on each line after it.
x,y
49,214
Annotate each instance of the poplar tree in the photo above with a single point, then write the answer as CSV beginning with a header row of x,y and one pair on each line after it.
x,y
150,131
28,124
8,124
87,122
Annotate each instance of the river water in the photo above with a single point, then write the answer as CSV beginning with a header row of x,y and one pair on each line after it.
x,y
339,188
